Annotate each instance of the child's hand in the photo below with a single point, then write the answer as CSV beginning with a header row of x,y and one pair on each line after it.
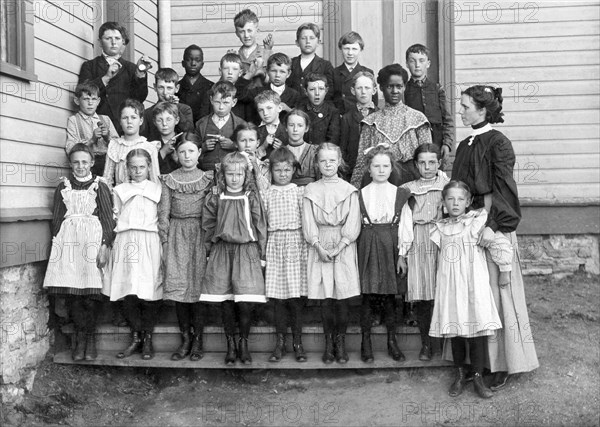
x,y
174,99
104,131
277,143
402,268
211,143
166,149
324,256
145,64
336,251
226,143
252,71
445,151
102,258
232,51
285,107
96,134
269,42
504,279
486,237
248,159
113,69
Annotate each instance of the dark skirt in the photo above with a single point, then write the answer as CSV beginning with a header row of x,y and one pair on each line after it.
x,y
377,260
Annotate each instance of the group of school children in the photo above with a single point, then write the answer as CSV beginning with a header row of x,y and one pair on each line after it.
x,y
237,193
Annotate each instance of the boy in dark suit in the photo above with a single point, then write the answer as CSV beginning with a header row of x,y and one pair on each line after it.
x,y
193,87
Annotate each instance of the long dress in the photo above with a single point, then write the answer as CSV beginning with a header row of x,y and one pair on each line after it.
x,y
286,248
179,225
135,267
382,207
82,222
331,214
485,161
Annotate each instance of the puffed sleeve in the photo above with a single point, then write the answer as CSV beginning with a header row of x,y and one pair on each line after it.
x,y
310,229
262,175
478,223
351,228
259,220
405,231
505,214
424,134
105,213
209,219
109,168
164,213
367,136
59,209
501,251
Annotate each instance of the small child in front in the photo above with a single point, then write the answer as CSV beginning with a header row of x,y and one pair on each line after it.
x,y
193,87
285,280
324,117
331,225
235,227
88,127
82,217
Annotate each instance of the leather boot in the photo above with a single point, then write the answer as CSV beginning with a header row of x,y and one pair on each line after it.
x,y
244,353
134,347
231,350
298,348
147,348
480,387
459,383
340,349
393,349
366,349
197,351
279,350
90,347
328,356
184,348
80,344
500,379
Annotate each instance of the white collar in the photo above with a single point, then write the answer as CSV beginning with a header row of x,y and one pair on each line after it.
x,y
274,124
480,131
84,179
278,89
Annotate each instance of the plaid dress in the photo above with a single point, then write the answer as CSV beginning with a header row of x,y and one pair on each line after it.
x,y
286,247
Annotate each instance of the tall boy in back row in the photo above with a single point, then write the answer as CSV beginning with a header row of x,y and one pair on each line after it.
x,y
193,87
429,97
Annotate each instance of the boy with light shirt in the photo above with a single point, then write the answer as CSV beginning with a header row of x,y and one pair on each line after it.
x,y
324,117
246,29
429,97
193,87
272,134
166,85
88,127
364,89
351,44
216,129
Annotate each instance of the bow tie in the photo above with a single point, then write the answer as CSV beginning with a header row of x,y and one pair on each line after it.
x,y
419,83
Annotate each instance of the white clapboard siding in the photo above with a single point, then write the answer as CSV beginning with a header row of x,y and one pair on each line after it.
x,y
210,26
145,13
545,57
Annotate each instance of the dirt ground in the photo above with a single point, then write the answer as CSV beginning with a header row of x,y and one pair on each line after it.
x,y
565,390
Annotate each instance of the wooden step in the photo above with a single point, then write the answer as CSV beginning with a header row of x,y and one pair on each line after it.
x,y
214,360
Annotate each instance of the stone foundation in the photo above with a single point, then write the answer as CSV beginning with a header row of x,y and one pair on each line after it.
x,y
559,254
25,338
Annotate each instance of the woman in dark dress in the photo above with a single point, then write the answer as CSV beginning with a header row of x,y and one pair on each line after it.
x,y
485,162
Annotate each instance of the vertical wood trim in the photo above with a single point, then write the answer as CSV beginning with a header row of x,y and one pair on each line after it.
x,y
446,53
388,33
336,17
164,34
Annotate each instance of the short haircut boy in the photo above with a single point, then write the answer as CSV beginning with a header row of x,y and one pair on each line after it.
x,y
308,26
132,103
167,75
87,88
165,107
107,26
191,48
267,96
279,59
224,88
351,37
315,77
418,48
231,57
364,74
242,18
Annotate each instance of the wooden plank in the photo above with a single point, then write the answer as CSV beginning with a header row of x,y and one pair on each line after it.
x,y
514,104
535,73
537,173
537,44
55,77
560,161
549,146
59,16
39,174
467,4
31,154
526,59
31,132
57,57
556,117
524,133
558,220
24,242
188,25
545,29
147,13
63,39
489,12
26,197
557,193
42,110
525,89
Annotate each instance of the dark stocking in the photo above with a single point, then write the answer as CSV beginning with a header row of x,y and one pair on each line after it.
x,y
424,310
280,316
197,317
459,351
228,316
328,316
477,353
295,306
389,307
133,312
245,310
184,316
341,315
150,311
366,313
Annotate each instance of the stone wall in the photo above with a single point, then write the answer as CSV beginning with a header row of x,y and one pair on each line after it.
x,y
559,254
25,338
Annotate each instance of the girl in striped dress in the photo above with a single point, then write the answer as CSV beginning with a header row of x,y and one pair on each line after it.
x,y
82,230
416,249
286,282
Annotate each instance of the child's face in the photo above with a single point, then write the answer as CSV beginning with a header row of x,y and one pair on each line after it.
x,y
231,71
188,154
469,113
316,92
87,103
165,123
247,141
222,105
418,64
282,173
193,63
296,128
235,177
112,42
393,91
131,121
363,90
138,168
380,168
428,165
269,111
81,163
307,42
329,162
456,201
351,52
165,90
247,33
278,74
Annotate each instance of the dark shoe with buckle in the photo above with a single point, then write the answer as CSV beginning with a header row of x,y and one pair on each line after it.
x,y
366,348
184,348
134,347
244,353
231,354
480,387
458,385
500,380
91,353
425,353
328,355
299,352
279,350
147,348
197,351
393,349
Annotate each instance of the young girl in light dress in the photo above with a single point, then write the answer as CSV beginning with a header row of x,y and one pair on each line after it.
x,y
285,280
331,225
135,274
464,307
235,227
82,230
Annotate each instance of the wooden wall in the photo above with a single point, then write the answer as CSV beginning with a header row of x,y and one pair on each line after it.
x,y
545,57
145,29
